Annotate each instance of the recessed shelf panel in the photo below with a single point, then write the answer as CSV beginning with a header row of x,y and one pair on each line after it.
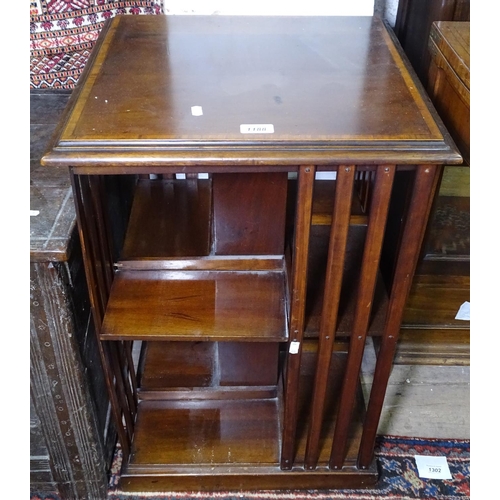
x,y
196,305
202,370
169,218
177,364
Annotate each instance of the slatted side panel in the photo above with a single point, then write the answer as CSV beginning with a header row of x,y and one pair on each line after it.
x,y
94,230
374,187
331,298
426,178
379,203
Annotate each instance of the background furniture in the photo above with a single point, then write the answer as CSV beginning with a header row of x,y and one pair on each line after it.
x,y
196,147
71,441
430,334
413,26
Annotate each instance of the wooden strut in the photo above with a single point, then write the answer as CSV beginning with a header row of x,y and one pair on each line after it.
x,y
297,310
426,179
366,288
335,267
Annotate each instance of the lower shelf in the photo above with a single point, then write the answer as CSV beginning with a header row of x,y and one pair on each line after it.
x,y
433,347
185,435
235,444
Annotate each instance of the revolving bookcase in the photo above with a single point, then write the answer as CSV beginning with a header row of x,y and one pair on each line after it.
x,y
233,180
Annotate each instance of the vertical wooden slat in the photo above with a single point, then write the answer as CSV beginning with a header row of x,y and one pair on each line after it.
x,y
88,237
297,310
426,178
128,345
102,231
120,387
97,300
368,278
331,296
127,375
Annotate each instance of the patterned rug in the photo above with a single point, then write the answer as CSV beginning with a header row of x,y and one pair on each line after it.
x,y
399,477
63,33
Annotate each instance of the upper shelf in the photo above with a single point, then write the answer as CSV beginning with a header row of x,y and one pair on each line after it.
x,y
209,92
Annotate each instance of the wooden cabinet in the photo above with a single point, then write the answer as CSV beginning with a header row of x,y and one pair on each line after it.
x,y
449,79
413,27
71,441
198,148
430,333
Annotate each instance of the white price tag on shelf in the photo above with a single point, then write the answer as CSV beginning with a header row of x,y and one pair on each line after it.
x,y
294,347
464,312
432,467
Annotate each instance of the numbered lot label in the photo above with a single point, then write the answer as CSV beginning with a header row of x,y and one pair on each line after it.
x,y
432,467
260,128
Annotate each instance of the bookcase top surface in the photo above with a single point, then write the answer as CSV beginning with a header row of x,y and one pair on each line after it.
x,y
213,89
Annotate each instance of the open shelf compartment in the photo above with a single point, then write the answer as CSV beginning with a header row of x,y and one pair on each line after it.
x,y
184,444
203,370
169,217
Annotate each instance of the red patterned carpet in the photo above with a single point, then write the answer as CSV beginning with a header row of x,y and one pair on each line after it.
x,y
63,33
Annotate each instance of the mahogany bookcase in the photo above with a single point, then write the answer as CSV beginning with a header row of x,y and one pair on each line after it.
x,y
233,180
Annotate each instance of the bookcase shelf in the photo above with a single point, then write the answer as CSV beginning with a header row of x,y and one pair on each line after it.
x,y
201,305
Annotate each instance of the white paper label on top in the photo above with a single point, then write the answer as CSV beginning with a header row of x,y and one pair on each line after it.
x,y
464,312
294,347
432,467
257,128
